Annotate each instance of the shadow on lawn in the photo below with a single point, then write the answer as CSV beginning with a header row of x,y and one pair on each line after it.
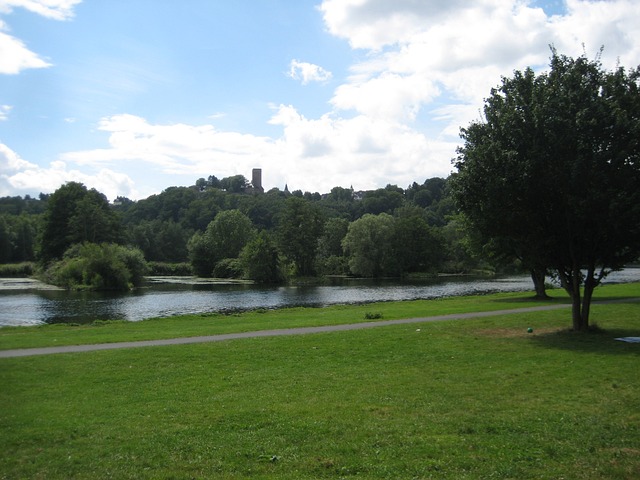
x,y
597,340
565,300
533,298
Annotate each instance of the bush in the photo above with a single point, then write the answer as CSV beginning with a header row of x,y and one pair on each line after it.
x,y
98,267
23,269
228,268
333,265
169,269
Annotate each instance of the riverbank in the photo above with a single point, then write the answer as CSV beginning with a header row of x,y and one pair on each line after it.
x,y
299,317
176,296
479,398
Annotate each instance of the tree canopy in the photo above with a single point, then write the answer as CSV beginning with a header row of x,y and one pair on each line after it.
x,y
75,214
552,172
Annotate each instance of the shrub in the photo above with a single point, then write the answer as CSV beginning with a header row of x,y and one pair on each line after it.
x,y
169,269
23,269
98,267
228,268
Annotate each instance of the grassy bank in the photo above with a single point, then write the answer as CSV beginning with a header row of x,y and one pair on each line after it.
x,y
458,399
212,324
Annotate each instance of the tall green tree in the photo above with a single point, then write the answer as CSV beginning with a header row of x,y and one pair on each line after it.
x,y
224,238
553,170
75,214
370,246
330,259
299,226
260,260
418,246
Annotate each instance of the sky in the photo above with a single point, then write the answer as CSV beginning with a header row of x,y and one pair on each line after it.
x,y
133,96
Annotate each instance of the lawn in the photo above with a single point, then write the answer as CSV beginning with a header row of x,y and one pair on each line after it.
x,y
470,399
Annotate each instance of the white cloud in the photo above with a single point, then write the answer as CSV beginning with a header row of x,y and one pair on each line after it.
x,y
22,177
362,151
311,154
308,72
53,9
387,95
4,111
14,54
179,153
373,24
449,54
612,24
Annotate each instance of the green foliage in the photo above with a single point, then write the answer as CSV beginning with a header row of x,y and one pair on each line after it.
x,y
229,233
330,259
299,226
552,173
175,226
17,237
418,247
161,241
260,260
169,269
98,267
224,238
228,268
234,184
16,206
199,255
75,215
383,200
369,245
23,269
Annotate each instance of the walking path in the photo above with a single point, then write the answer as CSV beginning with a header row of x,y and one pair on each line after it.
x,y
26,352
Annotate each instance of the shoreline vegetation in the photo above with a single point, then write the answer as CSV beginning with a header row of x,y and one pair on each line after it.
x,y
460,399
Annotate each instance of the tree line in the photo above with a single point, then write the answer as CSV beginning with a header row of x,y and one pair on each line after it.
x,y
222,228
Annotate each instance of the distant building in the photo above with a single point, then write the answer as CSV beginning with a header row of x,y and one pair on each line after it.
x,y
256,182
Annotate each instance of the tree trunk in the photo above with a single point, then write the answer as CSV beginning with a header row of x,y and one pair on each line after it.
x,y
580,309
538,276
571,281
590,283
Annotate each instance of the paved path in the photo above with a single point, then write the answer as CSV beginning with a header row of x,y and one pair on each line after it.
x,y
26,352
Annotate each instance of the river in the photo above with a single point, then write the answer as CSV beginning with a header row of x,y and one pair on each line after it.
x,y
24,302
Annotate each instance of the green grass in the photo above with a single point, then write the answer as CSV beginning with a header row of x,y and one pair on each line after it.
x,y
473,399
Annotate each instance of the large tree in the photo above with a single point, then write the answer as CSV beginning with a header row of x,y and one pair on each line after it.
x,y
75,215
552,172
299,225
224,238
370,246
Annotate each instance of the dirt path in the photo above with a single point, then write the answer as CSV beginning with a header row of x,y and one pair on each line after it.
x,y
26,352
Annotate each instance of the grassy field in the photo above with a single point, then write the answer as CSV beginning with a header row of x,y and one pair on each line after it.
x,y
472,399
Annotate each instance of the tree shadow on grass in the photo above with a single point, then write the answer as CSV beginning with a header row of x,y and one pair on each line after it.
x,y
564,299
533,298
601,341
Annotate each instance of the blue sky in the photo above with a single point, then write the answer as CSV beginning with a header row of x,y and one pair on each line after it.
x,y
133,96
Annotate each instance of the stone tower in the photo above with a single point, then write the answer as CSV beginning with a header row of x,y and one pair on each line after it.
x,y
256,180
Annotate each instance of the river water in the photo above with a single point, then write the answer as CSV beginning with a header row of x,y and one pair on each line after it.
x,y
23,302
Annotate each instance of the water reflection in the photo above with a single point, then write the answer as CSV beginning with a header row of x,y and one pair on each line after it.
x,y
168,299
